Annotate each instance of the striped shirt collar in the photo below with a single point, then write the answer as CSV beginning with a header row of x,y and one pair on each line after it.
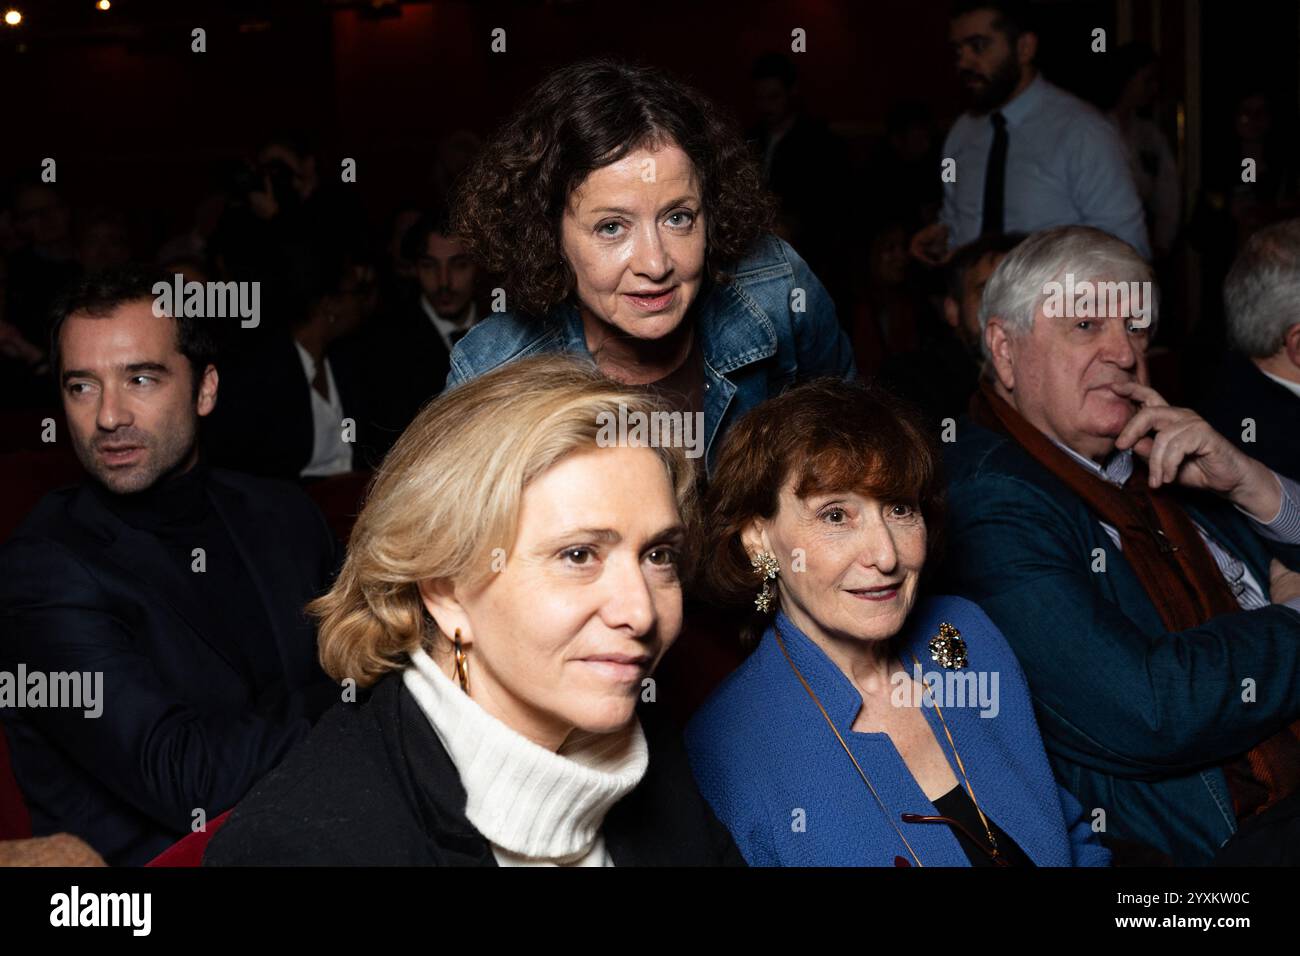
x,y
1117,469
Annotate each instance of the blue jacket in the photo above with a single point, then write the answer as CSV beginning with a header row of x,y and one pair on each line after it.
x,y
779,779
754,343
1137,720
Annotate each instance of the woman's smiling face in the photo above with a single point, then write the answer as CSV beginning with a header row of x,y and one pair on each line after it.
x,y
585,604
850,564
633,234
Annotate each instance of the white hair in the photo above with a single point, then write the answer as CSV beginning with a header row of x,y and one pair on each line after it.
x,y
1262,291
1019,284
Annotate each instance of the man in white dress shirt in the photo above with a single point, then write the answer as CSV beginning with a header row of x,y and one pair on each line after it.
x,y
1256,401
446,275
328,319
411,347
298,405
1028,155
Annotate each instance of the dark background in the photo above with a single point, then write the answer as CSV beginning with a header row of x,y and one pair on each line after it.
x,y
136,119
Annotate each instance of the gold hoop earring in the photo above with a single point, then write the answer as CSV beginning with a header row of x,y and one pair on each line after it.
x,y
766,566
462,663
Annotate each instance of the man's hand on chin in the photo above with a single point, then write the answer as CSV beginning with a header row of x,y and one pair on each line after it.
x,y
1283,584
1181,448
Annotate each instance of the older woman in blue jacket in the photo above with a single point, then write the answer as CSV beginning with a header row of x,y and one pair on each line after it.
x,y
630,227
866,728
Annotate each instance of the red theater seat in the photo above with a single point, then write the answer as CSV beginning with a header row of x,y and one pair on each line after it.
x,y
707,650
188,851
340,499
15,821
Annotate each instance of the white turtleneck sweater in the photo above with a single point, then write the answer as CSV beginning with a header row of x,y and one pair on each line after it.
x,y
534,806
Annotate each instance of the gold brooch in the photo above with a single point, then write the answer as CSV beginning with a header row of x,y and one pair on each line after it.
x,y
948,648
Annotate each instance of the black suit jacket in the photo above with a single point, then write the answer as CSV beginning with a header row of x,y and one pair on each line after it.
x,y
80,590
1243,391
407,363
263,422
349,796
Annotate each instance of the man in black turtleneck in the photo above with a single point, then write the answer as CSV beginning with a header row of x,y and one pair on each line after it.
x,y
174,592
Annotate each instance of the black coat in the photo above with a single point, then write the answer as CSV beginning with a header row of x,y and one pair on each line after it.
x,y
180,729
406,365
348,796
1243,391
263,420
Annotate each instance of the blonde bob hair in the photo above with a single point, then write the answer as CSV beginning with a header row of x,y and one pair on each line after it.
x,y
449,494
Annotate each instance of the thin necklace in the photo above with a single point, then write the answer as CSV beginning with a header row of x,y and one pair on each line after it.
x,y
988,829
883,809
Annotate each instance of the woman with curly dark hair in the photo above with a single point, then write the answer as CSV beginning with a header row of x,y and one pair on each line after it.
x,y
630,226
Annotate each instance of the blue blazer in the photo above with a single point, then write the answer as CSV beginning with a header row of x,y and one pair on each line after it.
x,y
1137,720
778,778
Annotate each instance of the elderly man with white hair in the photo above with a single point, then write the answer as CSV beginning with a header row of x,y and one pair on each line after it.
x,y
1137,561
1256,401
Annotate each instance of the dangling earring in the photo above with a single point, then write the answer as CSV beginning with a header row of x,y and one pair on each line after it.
x,y
462,663
767,568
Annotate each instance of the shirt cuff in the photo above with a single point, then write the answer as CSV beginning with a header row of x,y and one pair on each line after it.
x,y
1285,526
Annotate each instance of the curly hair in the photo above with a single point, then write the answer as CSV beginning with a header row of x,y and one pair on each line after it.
x,y
579,119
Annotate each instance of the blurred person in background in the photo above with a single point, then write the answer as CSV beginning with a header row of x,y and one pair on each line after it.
x,y
806,166
103,240
940,376
409,345
298,404
44,262
1135,90
1028,154
891,314
1256,400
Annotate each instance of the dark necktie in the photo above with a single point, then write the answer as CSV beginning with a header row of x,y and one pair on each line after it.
x,y
995,178
456,335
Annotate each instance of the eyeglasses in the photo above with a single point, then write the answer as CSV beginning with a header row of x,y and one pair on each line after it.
x,y
990,851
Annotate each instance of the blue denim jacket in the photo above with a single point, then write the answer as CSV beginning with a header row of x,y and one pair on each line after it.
x,y
756,340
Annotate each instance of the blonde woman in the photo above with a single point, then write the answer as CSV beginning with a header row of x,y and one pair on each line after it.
x,y
510,585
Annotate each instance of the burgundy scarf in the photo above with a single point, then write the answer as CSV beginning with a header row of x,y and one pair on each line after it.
x,y
1174,567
